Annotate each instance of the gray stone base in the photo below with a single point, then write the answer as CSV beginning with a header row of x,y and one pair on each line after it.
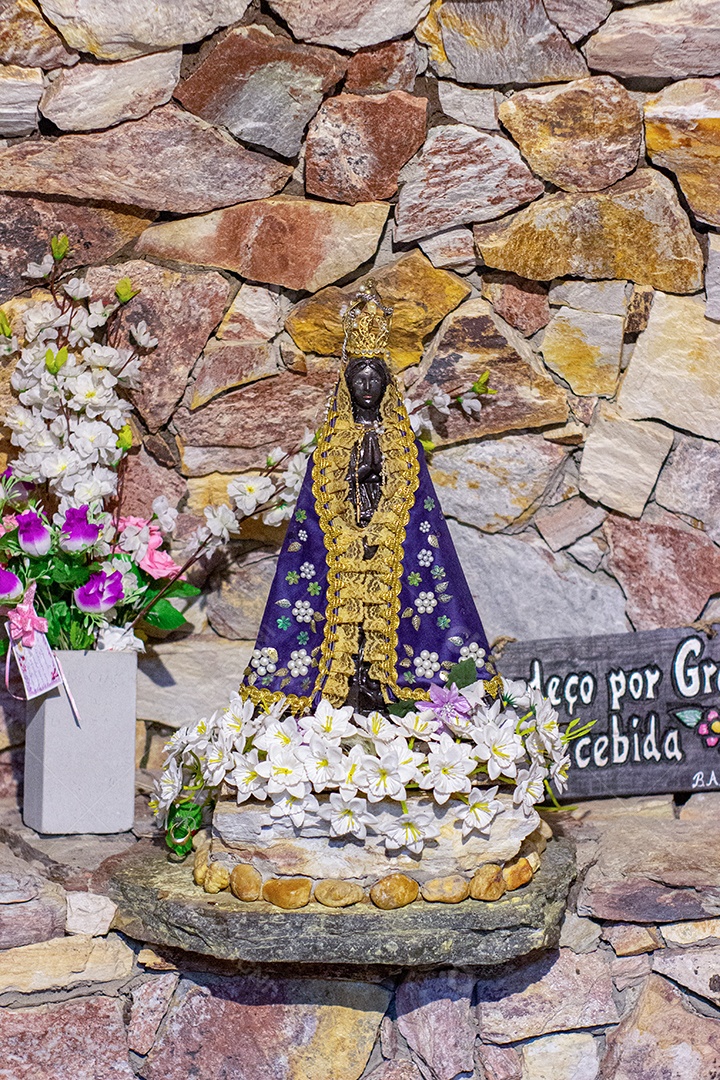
x,y
159,903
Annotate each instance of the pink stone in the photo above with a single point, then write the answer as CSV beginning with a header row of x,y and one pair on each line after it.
x,y
434,1015
299,243
262,87
356,145
149,1004
227,364
74,1040
266,413
27,223
168,160
521,302
346,24
645,555
392,66
557,992
258,1028
144,480
577,18
500,1062
181,309
462,175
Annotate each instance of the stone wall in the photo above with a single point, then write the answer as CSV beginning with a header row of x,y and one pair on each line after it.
x,y
632,993
533,185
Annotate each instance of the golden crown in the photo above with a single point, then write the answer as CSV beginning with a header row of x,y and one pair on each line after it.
x,y
367,324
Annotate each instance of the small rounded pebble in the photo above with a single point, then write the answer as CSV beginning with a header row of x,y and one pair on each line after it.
x,y
201,839
517,873
336,893
245,882
217,878
288,892
488,882
200,865
394,891
446,890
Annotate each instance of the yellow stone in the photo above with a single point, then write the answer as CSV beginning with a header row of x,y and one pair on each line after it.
x,y
394,891
200,865
217,877
636,231
446,890
581,136
429,33
488,883
420,295
584,348
209,490
61,963
517,873
682,132
245,882
289,893
336,893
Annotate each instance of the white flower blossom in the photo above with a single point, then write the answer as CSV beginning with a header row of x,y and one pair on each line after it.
x,y
323,762
500,747
77,288
529,787
450,765
250,492
279,735
352,773
410,830
277,514
118,639
347,816
164,513
245,777
481,809
221,522
168,786
142,335
516,694
441,402
377,726
294,474
422,725
284,771
290,804
331,723
41,269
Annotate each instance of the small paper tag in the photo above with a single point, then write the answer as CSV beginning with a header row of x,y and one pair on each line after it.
x,y
37,665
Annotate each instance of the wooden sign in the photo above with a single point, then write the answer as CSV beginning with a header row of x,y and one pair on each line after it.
x,y
655,697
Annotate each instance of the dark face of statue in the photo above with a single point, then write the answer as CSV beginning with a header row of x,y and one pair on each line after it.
x,y
367,382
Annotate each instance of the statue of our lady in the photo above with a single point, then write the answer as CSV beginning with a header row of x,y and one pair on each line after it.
x,y
369,605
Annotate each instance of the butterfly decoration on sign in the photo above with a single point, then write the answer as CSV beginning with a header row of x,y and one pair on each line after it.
x,y
705,722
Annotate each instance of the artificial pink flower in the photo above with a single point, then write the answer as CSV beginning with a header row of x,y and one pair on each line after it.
x,y
7,524
158,564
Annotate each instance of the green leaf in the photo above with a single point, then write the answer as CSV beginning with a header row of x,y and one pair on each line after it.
x,y
428,445
164,616
54,361
70,574
402,708
124,290
481,385
125,438
463,674
183,588
59,245
689,717
5,327
80,637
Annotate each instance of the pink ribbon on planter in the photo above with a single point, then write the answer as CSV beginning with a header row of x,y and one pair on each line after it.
x,y
23,620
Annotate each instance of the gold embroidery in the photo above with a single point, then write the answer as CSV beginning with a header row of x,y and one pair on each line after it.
x,y
494,687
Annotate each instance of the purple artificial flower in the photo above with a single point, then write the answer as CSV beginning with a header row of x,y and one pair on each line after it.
x,y
11,587
34,536
100,593
77,532
447,703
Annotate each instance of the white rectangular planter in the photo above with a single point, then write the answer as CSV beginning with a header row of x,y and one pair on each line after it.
x,y
80,776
